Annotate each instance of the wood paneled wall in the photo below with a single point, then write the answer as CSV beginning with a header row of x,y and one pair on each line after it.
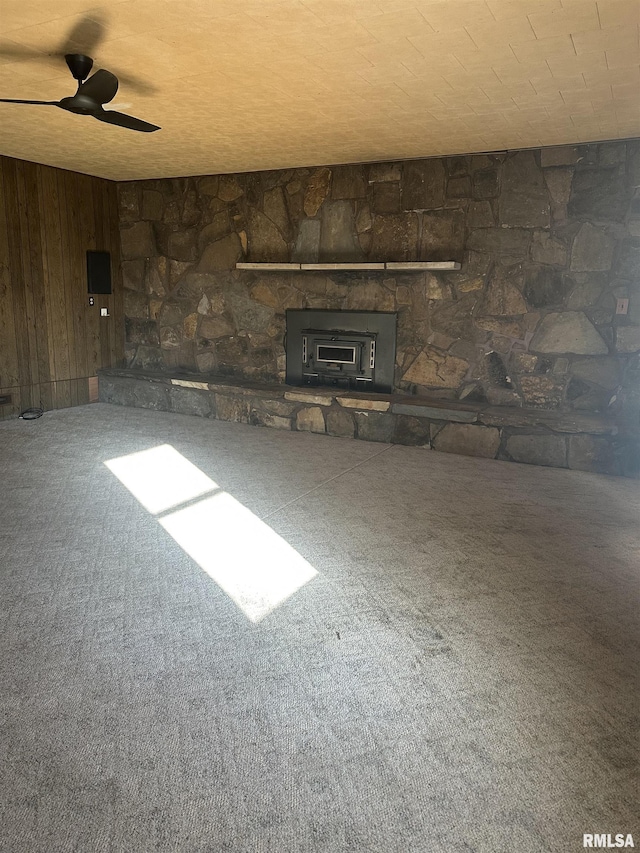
x,y
51,340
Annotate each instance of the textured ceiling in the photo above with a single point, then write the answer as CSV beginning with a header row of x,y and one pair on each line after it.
x,y
262,84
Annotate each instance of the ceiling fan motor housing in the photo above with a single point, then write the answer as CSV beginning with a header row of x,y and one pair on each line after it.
x,y
80,104
79,65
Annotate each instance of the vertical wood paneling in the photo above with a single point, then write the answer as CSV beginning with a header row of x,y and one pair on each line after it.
x,y
16,292
77,315
9,373
66,198
91,235
51,340
47,399
106,236
34,274
105,301
117,323
56,282
26,278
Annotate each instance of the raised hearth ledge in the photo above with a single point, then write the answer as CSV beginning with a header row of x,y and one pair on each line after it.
x,y
555,439
408,266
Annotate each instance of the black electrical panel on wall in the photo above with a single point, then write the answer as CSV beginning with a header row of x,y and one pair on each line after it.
x,y
98,272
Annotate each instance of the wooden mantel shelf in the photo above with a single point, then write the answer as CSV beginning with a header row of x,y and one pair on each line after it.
x,y
408,266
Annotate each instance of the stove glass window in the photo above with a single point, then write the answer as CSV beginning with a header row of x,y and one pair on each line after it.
x,y
343,355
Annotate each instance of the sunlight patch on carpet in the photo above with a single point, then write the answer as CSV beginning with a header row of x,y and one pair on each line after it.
x,y
244,556
248,560
161,478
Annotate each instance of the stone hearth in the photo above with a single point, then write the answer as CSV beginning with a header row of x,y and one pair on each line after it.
x,y
559,440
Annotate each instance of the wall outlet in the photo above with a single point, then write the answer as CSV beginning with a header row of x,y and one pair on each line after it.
x,y
5,399
622,306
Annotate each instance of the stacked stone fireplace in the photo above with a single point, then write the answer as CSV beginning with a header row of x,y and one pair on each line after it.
x,y
549,247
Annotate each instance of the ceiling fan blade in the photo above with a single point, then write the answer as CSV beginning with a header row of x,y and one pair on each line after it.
x,y
85,35
123,120
16,101
101,87
136,84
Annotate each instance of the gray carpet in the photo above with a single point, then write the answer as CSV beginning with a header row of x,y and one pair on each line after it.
x,y
446,662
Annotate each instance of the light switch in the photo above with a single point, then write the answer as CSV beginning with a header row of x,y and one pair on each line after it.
x,y
622,306
104,312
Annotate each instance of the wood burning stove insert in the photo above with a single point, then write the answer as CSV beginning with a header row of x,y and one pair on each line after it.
x,y
344,349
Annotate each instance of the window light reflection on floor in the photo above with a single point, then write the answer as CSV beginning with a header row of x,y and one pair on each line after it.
x,y
161,478
254,566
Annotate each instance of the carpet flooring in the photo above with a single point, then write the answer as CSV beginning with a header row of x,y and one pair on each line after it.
x,y
217,637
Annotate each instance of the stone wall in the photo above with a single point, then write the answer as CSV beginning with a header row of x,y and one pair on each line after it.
x,y
548,241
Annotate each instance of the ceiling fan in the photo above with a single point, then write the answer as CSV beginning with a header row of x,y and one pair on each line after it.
x,y
91,96
86,36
